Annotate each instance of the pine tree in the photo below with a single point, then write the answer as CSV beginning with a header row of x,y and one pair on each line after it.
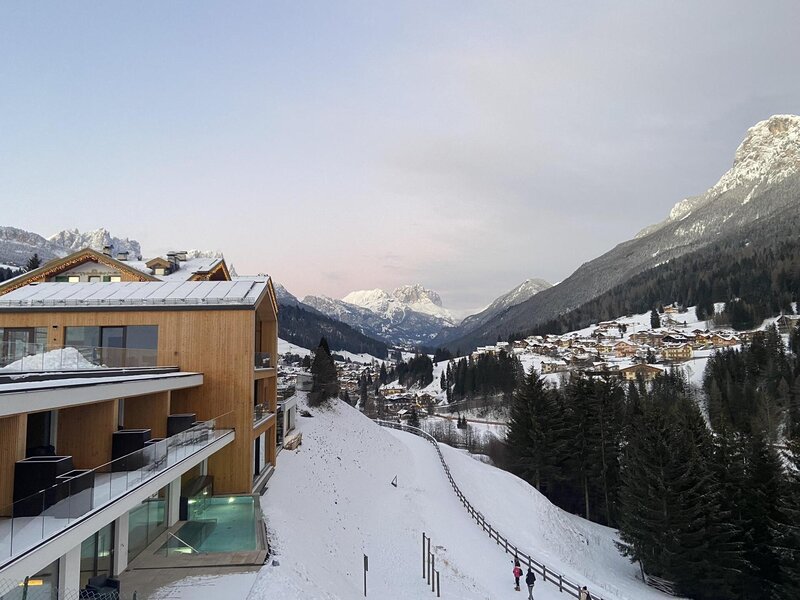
x,y
532,432
790,542
325,377
34,262
655,320
413,418
764,521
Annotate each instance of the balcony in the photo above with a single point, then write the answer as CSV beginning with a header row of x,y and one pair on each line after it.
x,y
34,520
19,357
261,413
263,360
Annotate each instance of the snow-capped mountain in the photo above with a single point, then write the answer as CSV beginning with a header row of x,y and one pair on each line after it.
x,y
72,240
410,315
18,245
762,189
405,297
525,290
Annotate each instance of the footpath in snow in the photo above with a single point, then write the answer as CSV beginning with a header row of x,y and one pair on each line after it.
x,y
331,501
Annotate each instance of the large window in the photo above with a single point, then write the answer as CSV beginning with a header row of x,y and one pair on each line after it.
x,y
118,346
97,552
18,342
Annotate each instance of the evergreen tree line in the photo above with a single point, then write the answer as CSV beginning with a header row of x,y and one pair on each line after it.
x,y
487,375
714,511
756,280
417,371
7,273
756,389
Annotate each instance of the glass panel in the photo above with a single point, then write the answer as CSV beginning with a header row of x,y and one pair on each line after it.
x,y
82,337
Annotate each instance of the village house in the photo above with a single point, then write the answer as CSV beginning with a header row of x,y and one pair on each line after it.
x,y
641,371
676,352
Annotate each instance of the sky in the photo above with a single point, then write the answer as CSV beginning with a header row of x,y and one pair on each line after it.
x,y
344,145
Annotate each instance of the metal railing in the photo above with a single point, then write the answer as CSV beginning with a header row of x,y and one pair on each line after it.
x,y
30,521
549,575
261,412
19,357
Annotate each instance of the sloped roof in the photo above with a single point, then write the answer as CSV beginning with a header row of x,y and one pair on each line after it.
x,y
58,265
157,294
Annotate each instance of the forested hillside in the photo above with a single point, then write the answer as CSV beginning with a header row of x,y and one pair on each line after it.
x,y
759,268
305,328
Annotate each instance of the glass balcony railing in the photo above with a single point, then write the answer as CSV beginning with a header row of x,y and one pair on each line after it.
x,y
32,520
261,412
263,360
15,356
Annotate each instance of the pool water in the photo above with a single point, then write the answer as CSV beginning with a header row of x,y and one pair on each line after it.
x,y
218,524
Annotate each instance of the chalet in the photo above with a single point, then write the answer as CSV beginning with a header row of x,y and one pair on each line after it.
x,y
677,352
723,340
91,266
625,349
641,371
554,366
786,323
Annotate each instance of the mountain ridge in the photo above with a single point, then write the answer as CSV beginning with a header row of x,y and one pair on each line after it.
x,y
763,181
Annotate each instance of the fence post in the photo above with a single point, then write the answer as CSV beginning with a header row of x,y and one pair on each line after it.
x,y
544,572
366,568
433,581
560,583
423,555
438,589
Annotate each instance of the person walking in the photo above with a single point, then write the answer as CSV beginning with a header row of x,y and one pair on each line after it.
x,y
530,579
584,594
517,574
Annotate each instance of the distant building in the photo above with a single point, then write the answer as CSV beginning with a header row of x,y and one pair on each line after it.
x,y
645,372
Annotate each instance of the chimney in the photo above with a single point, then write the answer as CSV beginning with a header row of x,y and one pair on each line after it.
x,y
181,255
107,250
173,260
123,256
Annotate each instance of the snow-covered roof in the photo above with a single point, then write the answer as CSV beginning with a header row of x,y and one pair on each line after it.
x,y
144,294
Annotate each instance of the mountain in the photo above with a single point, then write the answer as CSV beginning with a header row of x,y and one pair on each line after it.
x,y
304,325
525,290
18,245
410,315
73,240
762,185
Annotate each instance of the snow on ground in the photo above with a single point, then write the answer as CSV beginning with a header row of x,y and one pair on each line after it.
x,y
285,347
331,501
234,585
54,360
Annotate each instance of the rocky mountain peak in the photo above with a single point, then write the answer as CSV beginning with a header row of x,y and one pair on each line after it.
x,y
73,239
411,294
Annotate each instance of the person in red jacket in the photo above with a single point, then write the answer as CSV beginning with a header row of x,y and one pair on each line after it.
x,y
517,574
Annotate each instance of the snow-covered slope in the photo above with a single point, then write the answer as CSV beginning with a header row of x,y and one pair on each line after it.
x,y
409,315
332,501
525,290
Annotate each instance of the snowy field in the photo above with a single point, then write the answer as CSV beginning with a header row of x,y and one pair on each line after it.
x,y
332,501
285,347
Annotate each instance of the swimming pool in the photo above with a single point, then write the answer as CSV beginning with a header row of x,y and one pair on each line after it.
x,y
217,524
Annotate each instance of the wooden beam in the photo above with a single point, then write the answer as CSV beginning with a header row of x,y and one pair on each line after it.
x,y
84,432
13,431
147,412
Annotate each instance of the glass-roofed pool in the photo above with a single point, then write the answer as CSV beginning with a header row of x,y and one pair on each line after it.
x,y
217,524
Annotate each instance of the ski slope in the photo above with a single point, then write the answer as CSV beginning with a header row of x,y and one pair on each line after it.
x,y
332,501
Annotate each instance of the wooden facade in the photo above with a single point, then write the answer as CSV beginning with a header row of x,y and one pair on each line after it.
x,y
220,343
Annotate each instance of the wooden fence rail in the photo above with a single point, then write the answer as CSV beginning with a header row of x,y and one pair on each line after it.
x,y
563,584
